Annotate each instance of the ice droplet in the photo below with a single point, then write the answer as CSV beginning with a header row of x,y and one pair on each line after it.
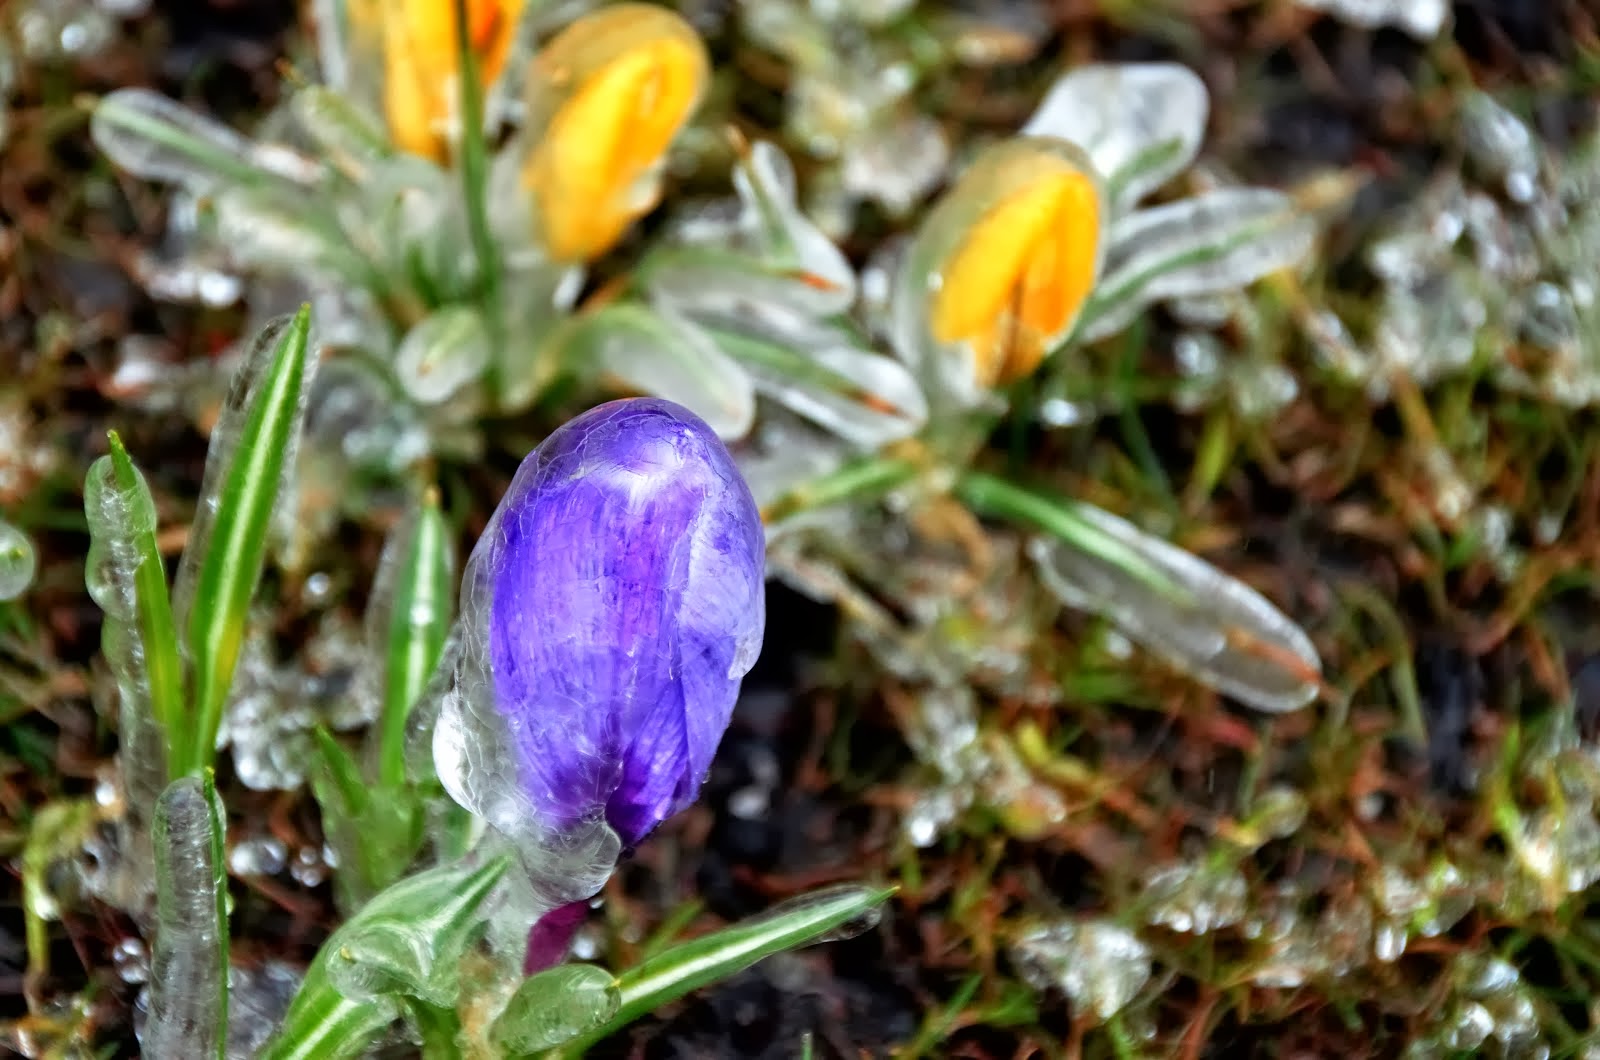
x,y
260,856
131,960
1101,966
308,868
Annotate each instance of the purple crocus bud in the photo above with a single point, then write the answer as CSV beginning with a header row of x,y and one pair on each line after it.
x,y
612,607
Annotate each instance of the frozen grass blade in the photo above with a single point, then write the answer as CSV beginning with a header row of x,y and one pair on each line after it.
x,y
406,942
417,580
251,448
1210,625
125,576
189,965
158,634
828,914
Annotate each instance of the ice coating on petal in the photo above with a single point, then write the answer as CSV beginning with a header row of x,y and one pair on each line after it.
x,y
624,571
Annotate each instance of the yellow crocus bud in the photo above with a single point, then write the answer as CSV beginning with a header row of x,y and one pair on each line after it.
x,y
1020,254
421,71
609,94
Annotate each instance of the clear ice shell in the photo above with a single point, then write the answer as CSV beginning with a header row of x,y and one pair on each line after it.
x,y
1140,123
1220,631
188,973
1219,241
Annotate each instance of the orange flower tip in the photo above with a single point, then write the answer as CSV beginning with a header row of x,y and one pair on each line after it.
x,y
1020,273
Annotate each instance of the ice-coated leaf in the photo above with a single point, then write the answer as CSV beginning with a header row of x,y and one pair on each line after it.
x,y
263,229
829,914
130,507
556,1006
18,561
127,579
252,449
407,941
410,938
865,398
189,961
783,235
658,352
711,280
349,138
157,138
1206,623
1216,242
413,602
376,830
1140,123
443,353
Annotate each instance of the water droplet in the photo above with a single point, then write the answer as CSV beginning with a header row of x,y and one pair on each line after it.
x,y
18,562
261,856
131,960
308,868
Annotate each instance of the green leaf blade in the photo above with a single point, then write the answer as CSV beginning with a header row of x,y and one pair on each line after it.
x,y
232,527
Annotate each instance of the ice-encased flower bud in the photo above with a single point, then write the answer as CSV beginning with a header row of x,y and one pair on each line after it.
x,y
606,98
616,598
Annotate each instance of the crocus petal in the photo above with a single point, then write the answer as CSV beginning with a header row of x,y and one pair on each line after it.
x,y
608,96
1020,275
417,42
625,571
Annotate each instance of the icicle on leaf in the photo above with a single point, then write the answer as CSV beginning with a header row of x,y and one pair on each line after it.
x,y
189,961
158,636
252,449
1216,242
407,941
556,1006
662,354
1208,624
825,915
1140,123
18,561
126,578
